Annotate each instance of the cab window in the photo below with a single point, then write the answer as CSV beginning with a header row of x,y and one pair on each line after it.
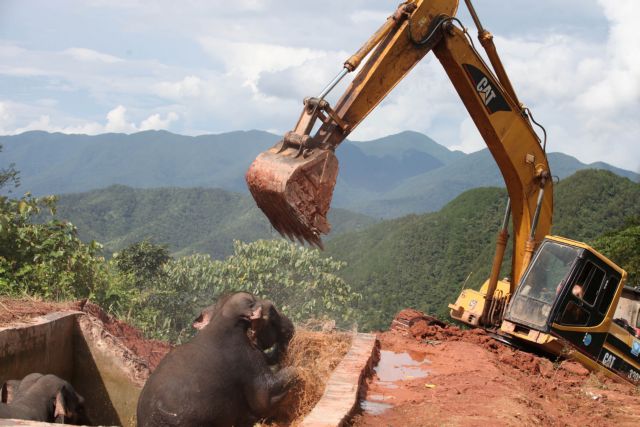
x,y
580,308
588,283
607,295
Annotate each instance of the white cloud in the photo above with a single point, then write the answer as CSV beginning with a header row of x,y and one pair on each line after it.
x,y
117,121
156,122
189,87
307,78
619,85
83,54
47,102
376,16
6,118
214,66
469,138
248,60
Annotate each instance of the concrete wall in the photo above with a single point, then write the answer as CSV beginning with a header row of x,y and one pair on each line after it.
x,y
44,345
76,347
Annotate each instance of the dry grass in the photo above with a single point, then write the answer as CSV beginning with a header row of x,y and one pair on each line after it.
x,y
315,355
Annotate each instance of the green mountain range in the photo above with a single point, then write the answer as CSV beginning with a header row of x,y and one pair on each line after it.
x,y
385,178
423,261
188,220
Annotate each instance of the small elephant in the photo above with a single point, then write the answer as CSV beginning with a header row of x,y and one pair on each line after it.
x,y
271,333
219,378
45,398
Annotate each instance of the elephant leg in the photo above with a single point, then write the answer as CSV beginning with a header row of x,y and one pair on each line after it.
x,y
282,382
267,390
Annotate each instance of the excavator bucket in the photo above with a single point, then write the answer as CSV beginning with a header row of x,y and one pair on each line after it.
x,y
294,190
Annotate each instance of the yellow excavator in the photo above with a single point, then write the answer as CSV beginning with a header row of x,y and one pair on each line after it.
x,y
563,295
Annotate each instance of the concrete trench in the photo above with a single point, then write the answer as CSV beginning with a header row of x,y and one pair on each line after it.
x,y
75,346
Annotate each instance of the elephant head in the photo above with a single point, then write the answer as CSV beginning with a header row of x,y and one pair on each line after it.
x,y
271,332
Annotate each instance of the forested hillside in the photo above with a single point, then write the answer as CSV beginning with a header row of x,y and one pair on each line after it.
x,y
591,203
193,220
422,261
431,190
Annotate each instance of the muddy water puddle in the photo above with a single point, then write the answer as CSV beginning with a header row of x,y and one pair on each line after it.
x,y
391,368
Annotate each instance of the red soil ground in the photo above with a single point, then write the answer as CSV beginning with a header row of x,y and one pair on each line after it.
x,y
466,378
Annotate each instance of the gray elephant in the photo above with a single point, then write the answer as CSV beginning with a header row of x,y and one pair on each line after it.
x,y
219,378
45,398
271,333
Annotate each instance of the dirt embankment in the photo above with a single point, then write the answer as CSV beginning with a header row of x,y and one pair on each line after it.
x,y
459,377
21,310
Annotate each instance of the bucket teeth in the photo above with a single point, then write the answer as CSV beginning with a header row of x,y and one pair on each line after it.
x,y
295,192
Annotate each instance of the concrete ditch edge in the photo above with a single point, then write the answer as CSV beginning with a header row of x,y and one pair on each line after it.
x,y
346,385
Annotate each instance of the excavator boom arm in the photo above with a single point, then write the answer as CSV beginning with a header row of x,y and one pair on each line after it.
x,y
509,136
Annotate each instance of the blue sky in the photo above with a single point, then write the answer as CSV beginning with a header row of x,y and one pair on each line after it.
x,y
196,67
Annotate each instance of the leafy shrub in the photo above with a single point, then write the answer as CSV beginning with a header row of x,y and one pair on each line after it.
x,y
45,259
299,281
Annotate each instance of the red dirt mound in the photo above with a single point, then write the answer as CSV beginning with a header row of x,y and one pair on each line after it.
x,y
18,310
151,351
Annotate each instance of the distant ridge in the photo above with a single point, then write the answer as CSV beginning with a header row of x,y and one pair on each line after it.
x,y
388,177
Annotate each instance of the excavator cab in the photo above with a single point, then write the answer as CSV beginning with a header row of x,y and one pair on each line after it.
x,y
567,303
541,285
567,284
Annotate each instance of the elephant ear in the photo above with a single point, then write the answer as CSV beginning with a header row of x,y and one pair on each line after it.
x,y
61,410
203,320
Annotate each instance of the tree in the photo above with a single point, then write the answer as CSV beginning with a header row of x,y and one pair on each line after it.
x,y
144,260
299,280
623,247
9,175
